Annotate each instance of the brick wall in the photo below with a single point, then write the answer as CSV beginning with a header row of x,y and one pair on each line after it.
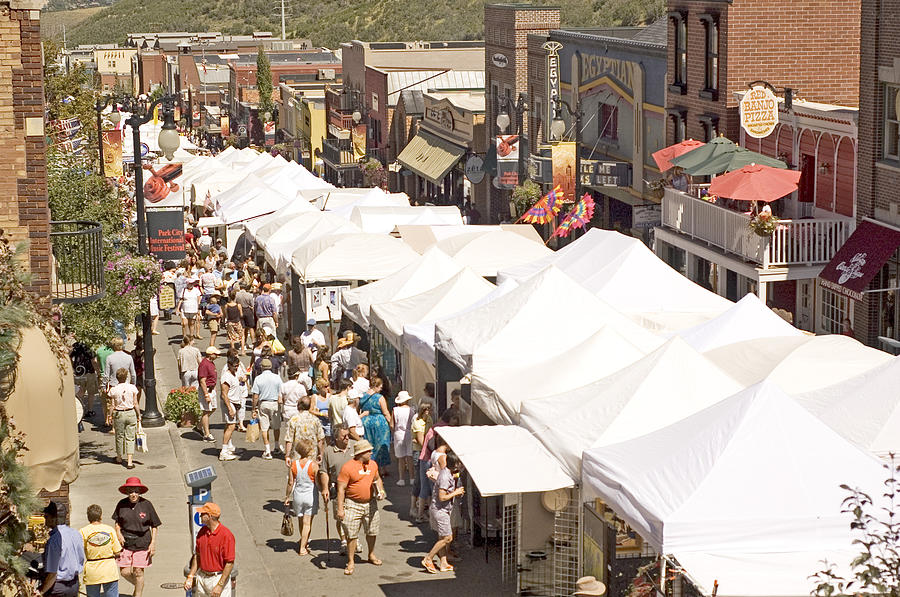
x,y
24,211
786,47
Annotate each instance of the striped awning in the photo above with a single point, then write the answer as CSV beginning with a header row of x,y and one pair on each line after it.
x,y
430,156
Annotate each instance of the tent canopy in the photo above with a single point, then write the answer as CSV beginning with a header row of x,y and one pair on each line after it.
x,y
424,273
492,469
385,219
295,207
343,201
709,482
421,237
357,256
485,254
448,297
667,385
280,239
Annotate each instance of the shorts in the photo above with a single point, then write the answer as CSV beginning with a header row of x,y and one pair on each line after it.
x,y
213,325
190,379
249,318
364,515
88,384
229,420
306,507
189,316
154,307
133,559
205,583
269,416
440,521
213,403
262,322
402,445
234,331
424,482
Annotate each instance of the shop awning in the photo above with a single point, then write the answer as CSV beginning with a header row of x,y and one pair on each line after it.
x,y
430,156
505,459
856,263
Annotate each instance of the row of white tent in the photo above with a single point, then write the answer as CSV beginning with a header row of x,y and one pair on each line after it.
x,y
717,430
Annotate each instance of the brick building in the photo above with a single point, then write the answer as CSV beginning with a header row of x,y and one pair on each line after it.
x,y
717,47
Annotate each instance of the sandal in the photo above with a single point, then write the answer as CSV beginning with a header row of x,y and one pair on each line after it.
x,y
303,552
348,570
375,562
447,568
429,566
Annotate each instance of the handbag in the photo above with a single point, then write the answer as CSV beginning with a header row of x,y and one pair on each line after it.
x,y
252,431
287,524
140,440
432,473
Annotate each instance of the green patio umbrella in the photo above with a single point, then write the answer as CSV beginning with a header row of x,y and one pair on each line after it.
x,y
735,160
702,154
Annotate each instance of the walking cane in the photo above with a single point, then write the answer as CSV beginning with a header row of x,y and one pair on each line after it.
x,y
327,532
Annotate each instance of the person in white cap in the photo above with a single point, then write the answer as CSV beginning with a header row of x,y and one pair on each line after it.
x,y
351,417
402,424
205,242
312,337
589,586
208,376
188,308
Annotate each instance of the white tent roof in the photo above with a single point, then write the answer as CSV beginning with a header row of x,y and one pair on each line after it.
x,y
518,315
493,470
487,253
350,257
426,272
667,385
344,200
385,219
264,200
747,319
280,239
214,182
448,297
294,208
421,237
501,387
864,409
419,337
754,473
797,364
314,195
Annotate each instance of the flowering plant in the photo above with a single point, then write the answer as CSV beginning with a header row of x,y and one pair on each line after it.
x,y
133,276
180,401
763,224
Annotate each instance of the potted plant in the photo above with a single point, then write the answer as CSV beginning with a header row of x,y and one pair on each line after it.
x,y
763,224
182,406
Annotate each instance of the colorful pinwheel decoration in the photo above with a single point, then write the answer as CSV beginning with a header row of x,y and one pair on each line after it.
x,y
580,215
545,209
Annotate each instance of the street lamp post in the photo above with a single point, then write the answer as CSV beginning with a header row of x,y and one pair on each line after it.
x,y
114,117
558,131
168,143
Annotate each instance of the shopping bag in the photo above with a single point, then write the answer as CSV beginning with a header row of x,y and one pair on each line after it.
x,y
277,346
252,431
287,524
140,440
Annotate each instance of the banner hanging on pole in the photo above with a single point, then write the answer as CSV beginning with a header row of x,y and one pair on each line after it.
x,y
112,153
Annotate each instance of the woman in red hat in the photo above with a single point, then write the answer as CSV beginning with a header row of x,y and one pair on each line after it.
x,y
136,524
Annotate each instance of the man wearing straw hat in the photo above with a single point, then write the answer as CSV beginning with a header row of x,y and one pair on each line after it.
x,y
357,505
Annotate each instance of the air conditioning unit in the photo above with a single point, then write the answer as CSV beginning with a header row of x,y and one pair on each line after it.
x,y
326,74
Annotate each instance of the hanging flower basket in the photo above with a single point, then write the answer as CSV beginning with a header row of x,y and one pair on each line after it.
x,y
763,224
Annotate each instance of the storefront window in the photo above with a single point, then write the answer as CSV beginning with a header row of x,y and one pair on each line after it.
x,y
835,308
887,300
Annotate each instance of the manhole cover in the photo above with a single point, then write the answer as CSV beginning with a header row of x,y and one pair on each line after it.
x,y
156,466
172,585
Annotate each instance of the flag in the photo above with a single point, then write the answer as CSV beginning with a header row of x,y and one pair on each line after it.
x,y
580,215
545,209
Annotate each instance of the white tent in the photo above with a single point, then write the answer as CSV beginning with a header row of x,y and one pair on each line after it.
x,y
755,473
350,257
385,219
210,183
667,385
797,364
500,387
485,254
343,201
747,319
422,237
448,297
487,454
430,270
418,338
294,208
515,319
280,239
864,409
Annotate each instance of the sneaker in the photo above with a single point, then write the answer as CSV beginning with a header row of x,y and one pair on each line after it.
x,y
226,455
343,549
401,482
267,456
278,451
209,438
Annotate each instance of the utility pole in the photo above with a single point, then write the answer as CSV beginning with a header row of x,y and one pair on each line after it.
x,y
282,20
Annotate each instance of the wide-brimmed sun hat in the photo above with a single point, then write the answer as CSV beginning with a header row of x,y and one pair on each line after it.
x,y
589,585
213,350
402,397
133,483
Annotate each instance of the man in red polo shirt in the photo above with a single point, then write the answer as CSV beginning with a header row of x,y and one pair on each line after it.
x,y
213,556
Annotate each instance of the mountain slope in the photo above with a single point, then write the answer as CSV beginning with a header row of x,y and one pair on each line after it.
x,y
334,21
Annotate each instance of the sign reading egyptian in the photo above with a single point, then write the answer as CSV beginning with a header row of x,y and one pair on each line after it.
x,y
553,81
759,112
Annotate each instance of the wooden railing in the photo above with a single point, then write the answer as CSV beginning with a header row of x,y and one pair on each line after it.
x,y
794,242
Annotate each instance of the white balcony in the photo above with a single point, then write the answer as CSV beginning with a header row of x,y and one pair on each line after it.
x,y
795,242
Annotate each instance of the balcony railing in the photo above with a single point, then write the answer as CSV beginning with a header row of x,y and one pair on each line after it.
x,y
341,120
77,266
795,242
338,152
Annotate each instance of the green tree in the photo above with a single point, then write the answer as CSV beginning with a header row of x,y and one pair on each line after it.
x,y
71,94
264,83
524,196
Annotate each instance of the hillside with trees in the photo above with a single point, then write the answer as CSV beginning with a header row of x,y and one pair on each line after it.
x,y
336,21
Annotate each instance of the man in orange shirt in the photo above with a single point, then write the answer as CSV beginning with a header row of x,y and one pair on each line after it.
x,y
357,504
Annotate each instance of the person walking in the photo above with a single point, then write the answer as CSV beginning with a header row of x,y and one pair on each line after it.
x,y
119,359
265,391
214,555
401,425
244,298
207,378
300,357
335,456
301,494
213,314
188,308
232,395
357,505
86,368
445,491
304,426
421,492
338,402
136,528
377,423
266,312
341,361
63,554
188,359
101,546
351,416
312,338
322,365
233,317
126,417
295,388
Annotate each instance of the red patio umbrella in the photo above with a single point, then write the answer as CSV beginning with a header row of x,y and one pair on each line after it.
x,y
755,183
665,154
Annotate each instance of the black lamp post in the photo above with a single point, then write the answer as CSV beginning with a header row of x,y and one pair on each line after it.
x,y
168,143
503,122
114,117
558,131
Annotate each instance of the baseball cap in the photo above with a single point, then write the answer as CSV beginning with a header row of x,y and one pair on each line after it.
x,y
211,509
311,321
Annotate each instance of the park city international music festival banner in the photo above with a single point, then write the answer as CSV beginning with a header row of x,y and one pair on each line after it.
x,y
112,153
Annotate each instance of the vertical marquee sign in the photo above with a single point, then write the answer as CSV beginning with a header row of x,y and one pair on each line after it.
x,y
553,48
